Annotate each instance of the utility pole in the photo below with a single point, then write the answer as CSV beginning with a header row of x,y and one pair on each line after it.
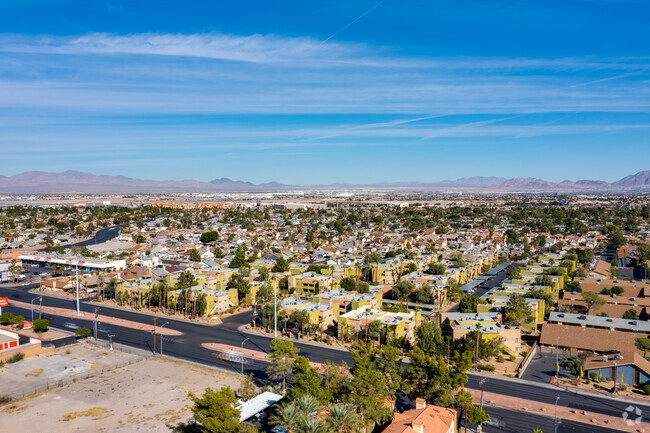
x,y
615,376
77,285
161,338
275,309
557,363
154,335
40,308
478,338
96,311
482,383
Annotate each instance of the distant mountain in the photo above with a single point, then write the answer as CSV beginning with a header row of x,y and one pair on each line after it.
x,y
40,182
638,180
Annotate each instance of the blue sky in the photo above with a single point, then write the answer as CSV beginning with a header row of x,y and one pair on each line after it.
x,y
307,92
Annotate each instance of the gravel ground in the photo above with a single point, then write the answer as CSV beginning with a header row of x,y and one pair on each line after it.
x,y
146,396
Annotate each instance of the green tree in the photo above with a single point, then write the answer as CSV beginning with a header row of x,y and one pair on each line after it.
x,y
195,256
643,344
209,237
238,260
369,387
469,304
40,325
282,358
513,272
215,411
402,290
573,286
429,337
343,418
434,268
308,381
631,314
281,265
201,305
372,257
423,294
289,417
239,282
517,311
247,388
592,300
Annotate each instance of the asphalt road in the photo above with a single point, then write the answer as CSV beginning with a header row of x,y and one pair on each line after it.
x,y
513,421
188,347
101,235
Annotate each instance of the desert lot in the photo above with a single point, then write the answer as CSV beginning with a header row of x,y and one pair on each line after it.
x,y
149,395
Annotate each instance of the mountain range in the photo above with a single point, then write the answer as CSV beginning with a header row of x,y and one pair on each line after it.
x,y
75,182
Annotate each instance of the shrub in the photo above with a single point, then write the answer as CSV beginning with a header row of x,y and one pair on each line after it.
x,y
5,399
82,332
585,355
512,358
6,318
483,367
15,358
523,353
594,376
40,325
623,387
646,389
500,358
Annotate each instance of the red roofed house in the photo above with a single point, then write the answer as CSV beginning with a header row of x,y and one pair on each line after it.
x,y
424,419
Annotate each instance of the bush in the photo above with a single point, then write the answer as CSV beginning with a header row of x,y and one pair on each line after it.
x,y
585,355
623,387
594,376
512,358
40,325
483,367
82,332
646,389
6,318
15,358
523,353
500,358
5,399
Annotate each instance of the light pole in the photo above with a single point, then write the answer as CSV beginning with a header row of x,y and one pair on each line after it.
x,y
161,336
615,375
77,286
557,361
32,303
275,309
482,383
96,311
242,355
556,423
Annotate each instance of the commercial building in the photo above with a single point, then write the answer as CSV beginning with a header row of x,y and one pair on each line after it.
x,y
71,262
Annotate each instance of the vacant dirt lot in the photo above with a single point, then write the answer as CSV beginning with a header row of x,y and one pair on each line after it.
x,y
147,396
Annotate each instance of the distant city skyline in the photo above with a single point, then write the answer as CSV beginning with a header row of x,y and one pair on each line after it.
x,y
320,93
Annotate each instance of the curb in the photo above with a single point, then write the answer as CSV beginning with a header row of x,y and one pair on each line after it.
x,y
242,329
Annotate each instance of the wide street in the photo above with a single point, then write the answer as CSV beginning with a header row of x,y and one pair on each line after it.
x,y
188,346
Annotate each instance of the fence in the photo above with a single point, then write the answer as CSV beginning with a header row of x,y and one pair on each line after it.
x,y
62,382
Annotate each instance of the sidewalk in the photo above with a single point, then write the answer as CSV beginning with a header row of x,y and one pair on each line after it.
x,y
100,318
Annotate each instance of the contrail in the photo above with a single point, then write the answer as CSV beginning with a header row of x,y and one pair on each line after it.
x,y
352,22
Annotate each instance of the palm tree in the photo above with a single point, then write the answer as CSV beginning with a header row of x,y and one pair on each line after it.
x,y
343,419
309,404
289,417
312,425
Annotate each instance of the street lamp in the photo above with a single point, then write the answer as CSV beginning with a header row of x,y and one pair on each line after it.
x,y
556,422
32,303
275,308
242,354
161,336
96,311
